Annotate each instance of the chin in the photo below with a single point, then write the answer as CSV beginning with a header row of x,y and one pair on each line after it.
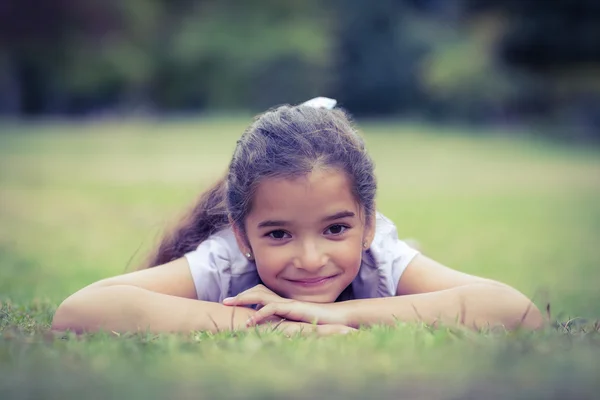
x,y
315,298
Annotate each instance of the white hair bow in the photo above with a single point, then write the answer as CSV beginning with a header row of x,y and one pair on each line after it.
x,y
321,102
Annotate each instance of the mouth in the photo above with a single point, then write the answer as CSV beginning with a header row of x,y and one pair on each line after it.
x,y
312,282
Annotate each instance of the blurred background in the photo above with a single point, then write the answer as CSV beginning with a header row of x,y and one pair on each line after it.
x,y
116,114
482,116
501,62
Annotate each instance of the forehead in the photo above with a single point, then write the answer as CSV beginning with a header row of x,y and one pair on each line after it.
x,y
321,192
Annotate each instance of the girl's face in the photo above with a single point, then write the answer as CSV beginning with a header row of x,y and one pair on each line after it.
x,y
307,235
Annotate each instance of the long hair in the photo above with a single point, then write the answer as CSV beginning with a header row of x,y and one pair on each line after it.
x,y
285,142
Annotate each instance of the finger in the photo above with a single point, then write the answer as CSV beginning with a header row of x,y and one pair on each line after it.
x,y
267,312
290,310
281,310
258,294
244,299
231,300
291,329
327,330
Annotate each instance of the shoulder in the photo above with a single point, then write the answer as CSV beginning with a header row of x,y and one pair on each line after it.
x,y
384,262
220,250
386,241
384,227
219,269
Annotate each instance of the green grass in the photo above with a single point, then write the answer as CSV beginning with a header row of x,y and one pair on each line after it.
x,y
79,202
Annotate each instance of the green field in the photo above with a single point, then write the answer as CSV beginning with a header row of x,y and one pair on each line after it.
x,y
79,202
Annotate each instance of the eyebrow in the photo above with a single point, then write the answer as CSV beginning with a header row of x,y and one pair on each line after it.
x,y
333,217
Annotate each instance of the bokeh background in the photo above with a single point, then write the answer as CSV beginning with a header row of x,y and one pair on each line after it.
x,y
482,116
501,62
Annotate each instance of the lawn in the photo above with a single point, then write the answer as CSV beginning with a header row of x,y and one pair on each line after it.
x,y
83,201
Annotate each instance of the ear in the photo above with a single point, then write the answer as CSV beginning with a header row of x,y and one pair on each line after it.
x,y
241,239
369,233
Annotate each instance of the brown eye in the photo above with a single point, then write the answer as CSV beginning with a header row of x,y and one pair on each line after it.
x,y
336,229
278,234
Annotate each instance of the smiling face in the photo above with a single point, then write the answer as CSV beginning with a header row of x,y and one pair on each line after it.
x,y
307,235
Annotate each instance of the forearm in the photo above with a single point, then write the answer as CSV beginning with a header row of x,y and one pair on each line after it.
x,y
476,305
123,308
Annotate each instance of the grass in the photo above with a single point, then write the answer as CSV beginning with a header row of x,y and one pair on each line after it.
x,y
79,202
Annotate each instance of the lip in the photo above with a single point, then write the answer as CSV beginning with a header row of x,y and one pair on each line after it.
x,y
311,282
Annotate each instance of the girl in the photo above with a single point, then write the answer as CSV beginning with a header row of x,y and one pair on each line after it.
x,y
293,230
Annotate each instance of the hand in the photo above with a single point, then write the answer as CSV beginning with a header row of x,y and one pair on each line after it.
x,y
258,294
310,313
291,328
276,306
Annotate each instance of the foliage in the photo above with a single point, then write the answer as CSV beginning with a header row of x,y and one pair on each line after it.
x,y
489,61
406,361
80,202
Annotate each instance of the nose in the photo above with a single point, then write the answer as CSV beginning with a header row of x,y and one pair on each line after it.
x,y
310,257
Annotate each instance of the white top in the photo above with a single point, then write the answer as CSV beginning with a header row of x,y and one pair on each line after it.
x,y
220,270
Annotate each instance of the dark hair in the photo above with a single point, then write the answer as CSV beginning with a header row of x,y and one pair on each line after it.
x,y
288,141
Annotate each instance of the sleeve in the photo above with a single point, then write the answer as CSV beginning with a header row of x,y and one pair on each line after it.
x,y
211,269
391,254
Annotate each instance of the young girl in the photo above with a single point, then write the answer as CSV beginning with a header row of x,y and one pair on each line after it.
x,y
293,231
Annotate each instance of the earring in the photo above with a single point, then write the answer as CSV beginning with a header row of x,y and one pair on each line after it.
x,y
365,245
249,256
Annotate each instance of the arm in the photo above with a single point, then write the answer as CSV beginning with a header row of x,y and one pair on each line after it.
x,y
124,308
476,305
428,292
487,301
433,293
159,299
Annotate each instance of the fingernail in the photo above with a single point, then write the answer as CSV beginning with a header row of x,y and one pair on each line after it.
x,y
249,322
227,299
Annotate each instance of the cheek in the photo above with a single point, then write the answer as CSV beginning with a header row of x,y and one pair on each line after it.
x,y
270,261
349,259
347,255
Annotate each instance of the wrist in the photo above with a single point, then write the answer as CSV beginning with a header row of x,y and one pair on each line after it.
x,y
340,313
235,318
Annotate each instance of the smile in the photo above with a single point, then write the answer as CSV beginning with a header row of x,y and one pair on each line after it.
x,y
313,282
